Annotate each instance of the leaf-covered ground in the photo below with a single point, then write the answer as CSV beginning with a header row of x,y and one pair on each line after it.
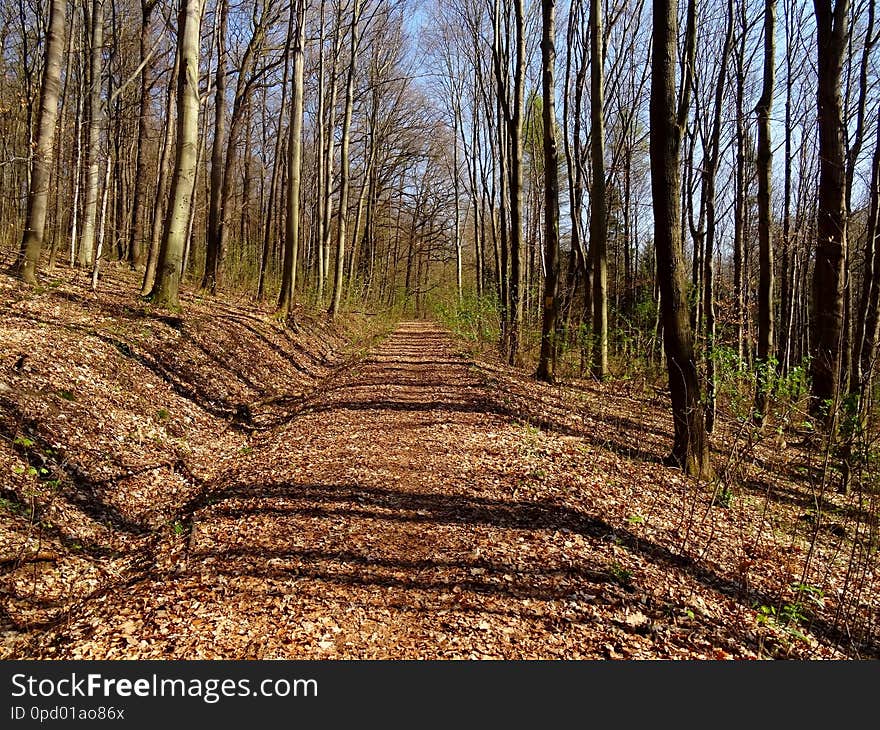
x,y
220,486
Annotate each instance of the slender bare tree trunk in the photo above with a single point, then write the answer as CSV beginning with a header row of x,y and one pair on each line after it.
x,y
344,165
163,173
136,240
765,243
166,287
277,166
865,343
294,152
516,183
215,203
41,163
93,151
740,195
690,449
324,246
102,226
598,213
322,172
709,180
547,359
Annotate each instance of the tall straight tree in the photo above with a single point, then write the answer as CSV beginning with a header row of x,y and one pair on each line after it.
x,y
710,173
828,278
765,243
41,164
516,182
165,291
215,210
344,166
690,449
867,336
547,359
93,153
294,164
136,251
598,216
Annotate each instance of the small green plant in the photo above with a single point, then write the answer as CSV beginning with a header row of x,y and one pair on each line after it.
x,y
7,505
724,498
766,615
66,395
788,618
245,450
162,414
792,613
807,592
635,519
620,575
179,529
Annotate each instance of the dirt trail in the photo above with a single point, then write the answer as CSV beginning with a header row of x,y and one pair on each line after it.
x,y
404,514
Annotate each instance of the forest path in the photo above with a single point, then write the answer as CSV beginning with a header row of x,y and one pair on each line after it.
x,y
403,513
383,522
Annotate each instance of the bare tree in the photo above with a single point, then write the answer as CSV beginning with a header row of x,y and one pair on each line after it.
x,y
165,292
547,358
598,214
38,195
765,243
344,165
294,162
828,278
690,449
93,149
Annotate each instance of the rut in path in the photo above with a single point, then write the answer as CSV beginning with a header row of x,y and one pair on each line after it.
x,y
400,516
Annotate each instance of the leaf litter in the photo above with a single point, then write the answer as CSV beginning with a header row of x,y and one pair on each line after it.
x,y
221,486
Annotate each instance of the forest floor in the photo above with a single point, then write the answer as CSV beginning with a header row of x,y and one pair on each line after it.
x,y
217,485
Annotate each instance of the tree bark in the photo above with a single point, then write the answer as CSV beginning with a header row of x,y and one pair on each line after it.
x,y
344,165
690,449
215,203
165,291
294,152
547,360
38,195
828,278
93,174
136,250
598,213
765,243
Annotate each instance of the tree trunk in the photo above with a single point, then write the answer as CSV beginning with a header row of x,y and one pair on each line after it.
x,y
163,173
93,152
215,204
828,277
342,218
865,343
136,251
277,165
294,162
38,195
547,359
165,290
709,180
516,184
765,243
598,218
690,449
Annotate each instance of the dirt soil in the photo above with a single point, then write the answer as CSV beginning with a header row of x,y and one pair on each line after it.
x,y
218,485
